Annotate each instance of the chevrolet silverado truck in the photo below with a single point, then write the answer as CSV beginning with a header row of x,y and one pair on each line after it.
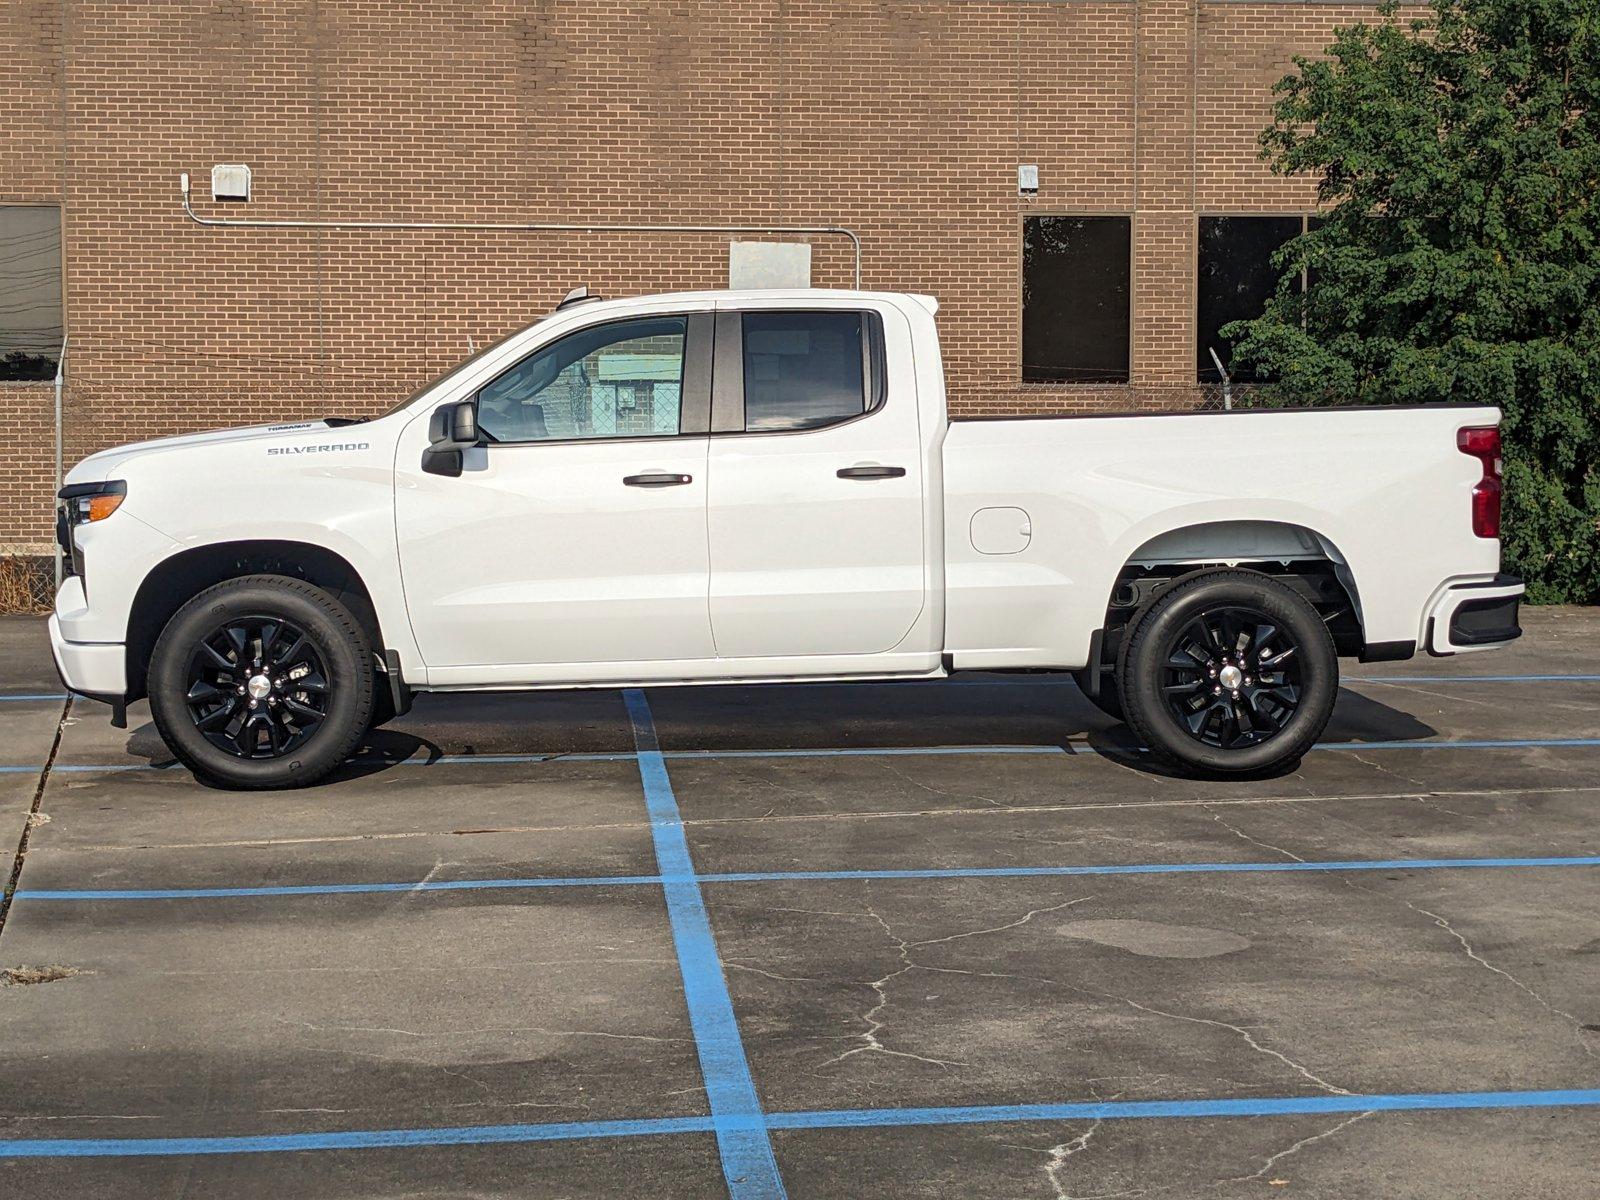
x,y
766,487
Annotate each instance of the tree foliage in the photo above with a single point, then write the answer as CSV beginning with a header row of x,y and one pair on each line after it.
x,y
1458,254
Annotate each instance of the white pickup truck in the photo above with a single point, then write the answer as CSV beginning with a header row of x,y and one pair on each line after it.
x,y
766,487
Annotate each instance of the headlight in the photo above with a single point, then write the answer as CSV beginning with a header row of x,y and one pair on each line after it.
x,y
81,504
85,502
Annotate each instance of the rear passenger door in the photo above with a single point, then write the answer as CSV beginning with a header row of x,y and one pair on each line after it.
x,y
815,501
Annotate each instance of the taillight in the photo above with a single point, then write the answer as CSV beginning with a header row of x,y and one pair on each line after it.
x,y
1483,443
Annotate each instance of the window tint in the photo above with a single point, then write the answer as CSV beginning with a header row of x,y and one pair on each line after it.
x,y
803,369
30,291
1236,281
619,380
1075,294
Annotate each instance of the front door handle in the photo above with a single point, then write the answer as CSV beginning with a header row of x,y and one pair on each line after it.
x,y
657,479
871,472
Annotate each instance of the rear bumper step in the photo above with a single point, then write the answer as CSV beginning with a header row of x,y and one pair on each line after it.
x,y
1476,616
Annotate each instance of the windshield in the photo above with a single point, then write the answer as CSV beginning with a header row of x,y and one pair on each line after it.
x,y
461,366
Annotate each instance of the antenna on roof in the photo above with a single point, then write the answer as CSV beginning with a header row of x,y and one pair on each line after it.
x,y
578,295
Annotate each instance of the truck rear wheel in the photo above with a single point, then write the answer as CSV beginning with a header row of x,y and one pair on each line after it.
x,y
261,682
1229,673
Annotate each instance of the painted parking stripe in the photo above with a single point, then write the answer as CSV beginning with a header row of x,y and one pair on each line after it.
x,y
1051,680
29,696
1069,748
1157,1109
748,1164
870,1118
356,1139
1470,679
468,885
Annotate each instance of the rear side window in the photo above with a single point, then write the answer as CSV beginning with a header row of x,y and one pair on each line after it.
x,y
803,370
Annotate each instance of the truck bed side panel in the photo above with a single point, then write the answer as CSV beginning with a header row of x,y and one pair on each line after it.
x,y
1386,491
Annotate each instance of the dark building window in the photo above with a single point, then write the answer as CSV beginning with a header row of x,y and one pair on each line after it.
x,y
1237,279
1075,290
30,291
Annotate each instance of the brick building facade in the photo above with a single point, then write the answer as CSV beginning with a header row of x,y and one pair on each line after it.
x,y
905,121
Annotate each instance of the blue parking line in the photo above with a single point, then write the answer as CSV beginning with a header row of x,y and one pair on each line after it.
x,y
748,1164
859,1118
1470,679
870,1118
356,1139
26,696
467,885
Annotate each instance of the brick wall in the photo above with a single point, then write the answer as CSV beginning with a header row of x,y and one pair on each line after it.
x,y
903,120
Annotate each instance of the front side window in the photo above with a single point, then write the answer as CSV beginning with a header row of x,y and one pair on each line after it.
x,y
803,370
624,379
1076,326
30,291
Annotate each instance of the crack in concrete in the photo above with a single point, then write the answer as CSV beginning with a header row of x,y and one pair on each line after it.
x,y
1255,841
736,965
13,877
1383,770
1249,1039
1062,1151
888,764
1273,1160
869,1038
871,1043
1577,1025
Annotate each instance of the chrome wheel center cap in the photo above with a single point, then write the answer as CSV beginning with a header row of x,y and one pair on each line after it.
x,y
260,687
1229,677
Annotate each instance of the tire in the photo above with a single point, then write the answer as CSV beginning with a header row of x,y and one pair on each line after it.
x,y
1107,700
1191,680
221,704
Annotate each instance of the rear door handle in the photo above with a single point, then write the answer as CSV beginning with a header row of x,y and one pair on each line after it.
x,y
871,472
657,479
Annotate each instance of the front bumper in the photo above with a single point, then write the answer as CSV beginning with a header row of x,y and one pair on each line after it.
x,y
1475,616
97,669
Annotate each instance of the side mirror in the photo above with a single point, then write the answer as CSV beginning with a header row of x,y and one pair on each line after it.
x,y
452,429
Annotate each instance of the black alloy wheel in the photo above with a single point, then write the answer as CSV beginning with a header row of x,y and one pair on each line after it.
x,y
1228,672
257,688
260,682
1232,677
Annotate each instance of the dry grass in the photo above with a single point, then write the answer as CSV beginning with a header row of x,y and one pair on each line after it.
x,y
26,584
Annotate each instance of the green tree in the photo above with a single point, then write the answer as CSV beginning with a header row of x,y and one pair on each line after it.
x,y
1457,161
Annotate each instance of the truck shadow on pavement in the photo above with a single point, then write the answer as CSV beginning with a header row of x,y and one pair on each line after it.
x,y
784,718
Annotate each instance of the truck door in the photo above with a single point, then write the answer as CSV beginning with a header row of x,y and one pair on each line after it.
x,y
577,534
816,494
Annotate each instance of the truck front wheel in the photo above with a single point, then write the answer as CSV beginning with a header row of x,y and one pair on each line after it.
x,y
1228,673
261,682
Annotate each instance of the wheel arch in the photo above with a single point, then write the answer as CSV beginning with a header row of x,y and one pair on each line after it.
x,y
175,581
1298,555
